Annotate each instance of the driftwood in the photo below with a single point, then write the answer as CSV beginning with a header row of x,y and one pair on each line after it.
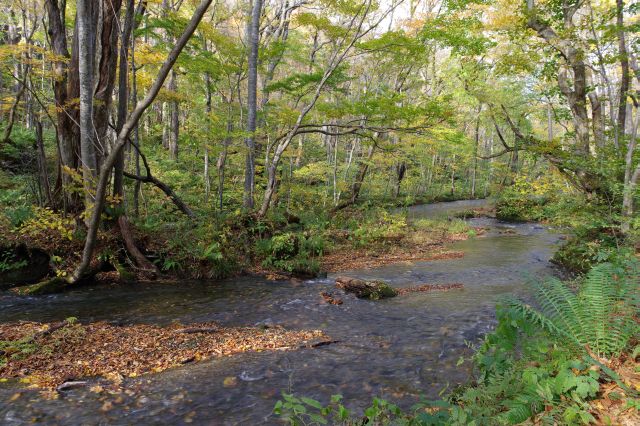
x,y
373,290
53,327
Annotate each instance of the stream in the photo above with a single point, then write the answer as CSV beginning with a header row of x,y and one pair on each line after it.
x,y
399,349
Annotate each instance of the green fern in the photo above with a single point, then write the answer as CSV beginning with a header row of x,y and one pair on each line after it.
x,y
599,317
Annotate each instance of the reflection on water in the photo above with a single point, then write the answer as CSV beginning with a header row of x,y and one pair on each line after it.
x,y
398,348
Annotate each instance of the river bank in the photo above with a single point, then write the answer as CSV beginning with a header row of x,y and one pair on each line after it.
x,y
39,255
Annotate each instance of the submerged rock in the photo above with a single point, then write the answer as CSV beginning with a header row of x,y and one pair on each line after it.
x,y
365,289
329,298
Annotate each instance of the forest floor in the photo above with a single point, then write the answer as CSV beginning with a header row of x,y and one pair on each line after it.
x,y
50,355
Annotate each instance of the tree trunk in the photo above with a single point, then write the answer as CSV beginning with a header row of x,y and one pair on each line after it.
x,y
65,127
207,177
136,130
624,65
123,94
252,87
42,164
630,178
107,17
357,183
141,261
222,161
175,119
22,86
400,170
475,154
86,42
453,176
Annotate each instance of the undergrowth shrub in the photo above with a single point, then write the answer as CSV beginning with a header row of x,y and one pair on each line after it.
x,y
590,246
205,251
292,252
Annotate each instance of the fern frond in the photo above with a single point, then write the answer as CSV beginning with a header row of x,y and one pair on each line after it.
x,y
601,315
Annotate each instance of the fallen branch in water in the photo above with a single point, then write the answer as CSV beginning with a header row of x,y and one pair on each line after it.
x,y
429,287
71,385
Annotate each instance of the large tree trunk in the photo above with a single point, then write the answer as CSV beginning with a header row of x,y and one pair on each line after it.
x,y
65,127
105,71
123,94
252,87
630,178
86,41
577,94
136,130
624,65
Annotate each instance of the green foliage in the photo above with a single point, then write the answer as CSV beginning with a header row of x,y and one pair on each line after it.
x,y
298,411
515,208
600,317
45,221
379,226
18,215
292,252
590,246
205,251
538,362
8,261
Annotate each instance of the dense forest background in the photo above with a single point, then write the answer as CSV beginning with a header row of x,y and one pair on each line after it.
x,y
299,106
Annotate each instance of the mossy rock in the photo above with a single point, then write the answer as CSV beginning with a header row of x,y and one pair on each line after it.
x,y
373,290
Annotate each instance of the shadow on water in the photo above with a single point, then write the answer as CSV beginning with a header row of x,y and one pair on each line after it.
x,y
398,348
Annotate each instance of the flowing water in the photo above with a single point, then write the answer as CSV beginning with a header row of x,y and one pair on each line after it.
x,y
399,349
